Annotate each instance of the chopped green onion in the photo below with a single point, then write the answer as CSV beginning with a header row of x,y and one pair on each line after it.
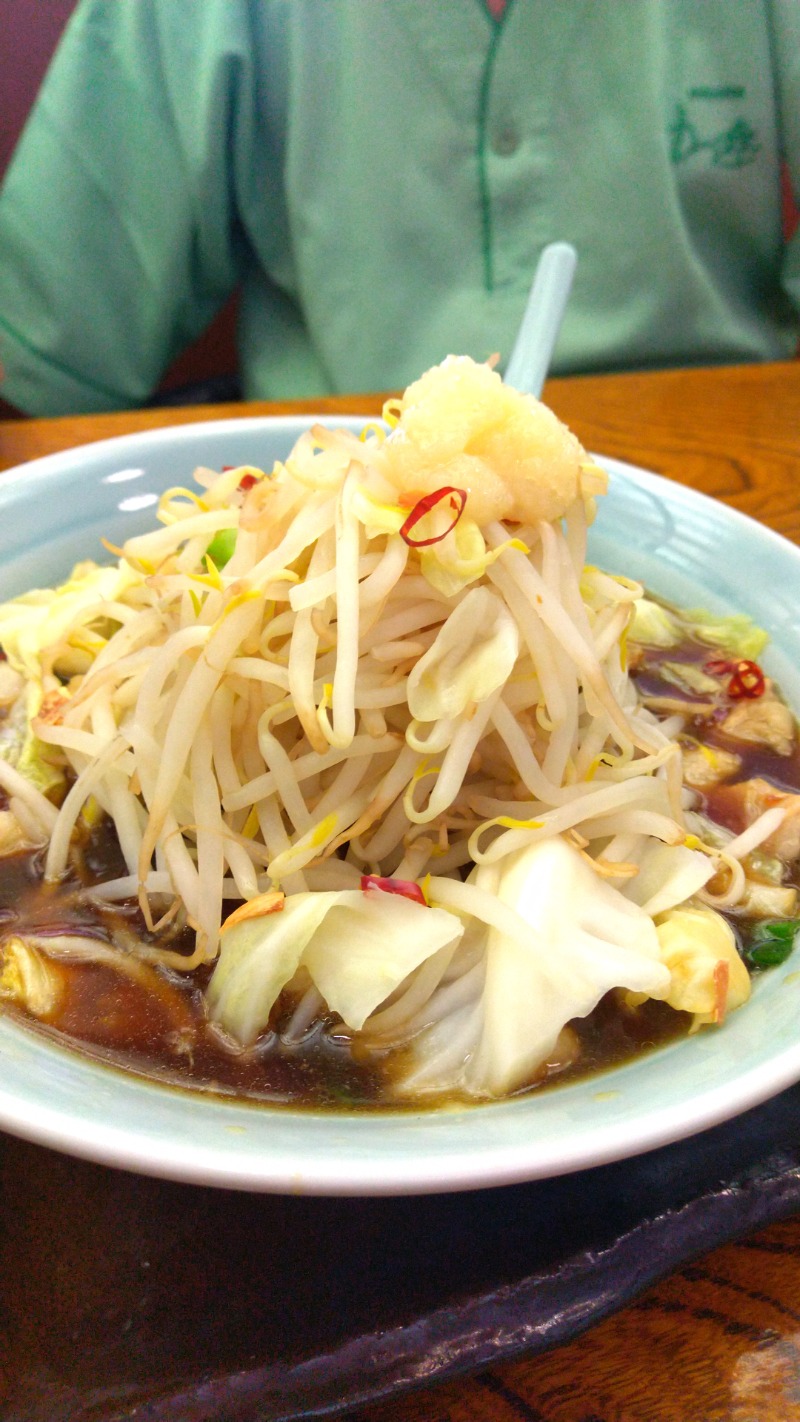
x,y
771,943
221,547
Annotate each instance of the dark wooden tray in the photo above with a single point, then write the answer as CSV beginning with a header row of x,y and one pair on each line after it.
x,y
125,1296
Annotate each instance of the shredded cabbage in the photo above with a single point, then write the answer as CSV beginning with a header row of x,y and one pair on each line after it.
x,y
735,633
654,625
42,620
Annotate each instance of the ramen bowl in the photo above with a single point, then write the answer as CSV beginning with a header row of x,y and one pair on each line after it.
x,y
683,547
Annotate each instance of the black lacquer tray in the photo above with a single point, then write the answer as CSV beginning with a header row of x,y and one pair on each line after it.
x,y
124,1296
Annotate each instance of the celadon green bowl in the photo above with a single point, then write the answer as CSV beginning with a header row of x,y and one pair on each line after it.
x,y
681,545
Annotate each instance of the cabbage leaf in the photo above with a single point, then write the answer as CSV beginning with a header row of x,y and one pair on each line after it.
x,y
585,939
38,620
707,976
669,874
653,625
735,633
473,654
22,749
357,946
578,938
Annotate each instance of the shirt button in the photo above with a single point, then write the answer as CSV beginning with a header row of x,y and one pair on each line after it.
x,y
505,141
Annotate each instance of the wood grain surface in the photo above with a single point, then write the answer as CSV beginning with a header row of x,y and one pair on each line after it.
x,y
719,1340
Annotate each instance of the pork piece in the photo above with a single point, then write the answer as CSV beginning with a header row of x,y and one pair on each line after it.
x,y
763,721
704,766
741,804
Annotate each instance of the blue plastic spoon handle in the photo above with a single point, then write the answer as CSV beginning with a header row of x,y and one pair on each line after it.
x,y
544,312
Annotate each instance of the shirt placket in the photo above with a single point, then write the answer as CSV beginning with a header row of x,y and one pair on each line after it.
x,y
517,147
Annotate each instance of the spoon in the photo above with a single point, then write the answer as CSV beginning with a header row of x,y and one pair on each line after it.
x,y
541,323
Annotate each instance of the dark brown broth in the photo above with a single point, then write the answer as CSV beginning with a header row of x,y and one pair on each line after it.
x,y
164,1033
756,761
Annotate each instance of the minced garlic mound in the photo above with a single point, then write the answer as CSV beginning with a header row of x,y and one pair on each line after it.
x,y
461,425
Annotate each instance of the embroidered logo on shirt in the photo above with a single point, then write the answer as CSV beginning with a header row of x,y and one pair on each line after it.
x,y
732,147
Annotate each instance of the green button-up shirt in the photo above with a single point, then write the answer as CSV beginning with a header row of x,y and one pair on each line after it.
x,y
379,178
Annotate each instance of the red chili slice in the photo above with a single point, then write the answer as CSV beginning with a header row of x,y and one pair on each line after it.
x,y
458,499
247,480
718,666
405,888
747,679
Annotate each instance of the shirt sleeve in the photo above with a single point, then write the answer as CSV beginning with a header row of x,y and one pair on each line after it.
x,y
118,227
785,27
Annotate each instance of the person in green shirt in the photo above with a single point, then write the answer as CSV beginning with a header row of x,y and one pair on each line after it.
x,y
378,178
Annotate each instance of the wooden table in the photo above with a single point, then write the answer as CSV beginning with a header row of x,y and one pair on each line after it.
x,y
719,1339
